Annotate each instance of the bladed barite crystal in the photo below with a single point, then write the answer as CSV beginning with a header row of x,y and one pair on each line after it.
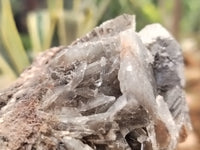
x,y
113,89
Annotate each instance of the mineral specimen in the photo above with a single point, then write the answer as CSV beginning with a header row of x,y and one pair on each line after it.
x,y
113,89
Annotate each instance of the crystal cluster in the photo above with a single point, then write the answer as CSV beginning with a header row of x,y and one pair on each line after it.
x,y
113,89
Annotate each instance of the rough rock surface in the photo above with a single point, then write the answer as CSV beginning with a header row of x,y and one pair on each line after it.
x,y
114,89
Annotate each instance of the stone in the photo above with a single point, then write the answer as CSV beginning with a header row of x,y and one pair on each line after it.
x,y
113,89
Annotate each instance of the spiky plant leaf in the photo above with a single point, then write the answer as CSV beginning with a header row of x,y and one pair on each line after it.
x,y
11,38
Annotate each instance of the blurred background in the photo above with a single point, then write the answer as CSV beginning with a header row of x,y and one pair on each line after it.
x,y
27,27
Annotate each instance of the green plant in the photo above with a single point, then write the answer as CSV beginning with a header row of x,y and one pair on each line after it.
x,y
42,26
11,39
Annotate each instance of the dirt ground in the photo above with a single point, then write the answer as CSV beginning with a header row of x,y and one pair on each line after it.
x,y
192,73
